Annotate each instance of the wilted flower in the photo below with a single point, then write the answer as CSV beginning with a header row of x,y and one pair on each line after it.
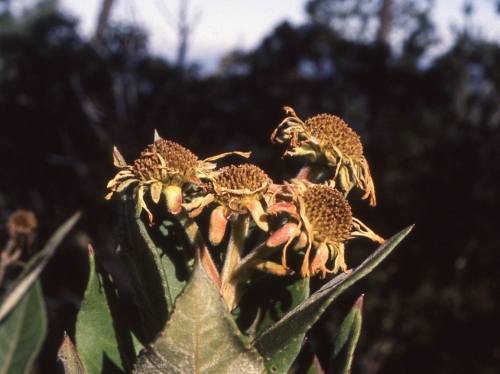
x,y
326,139
319,217
164,168
22,225
238,190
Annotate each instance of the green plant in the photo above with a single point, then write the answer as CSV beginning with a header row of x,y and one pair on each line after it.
x,y
208,301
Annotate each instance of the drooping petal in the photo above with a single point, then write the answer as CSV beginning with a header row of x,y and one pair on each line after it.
x,y
213,158
319,262
196,206
301,242
345,179
141,204
125,184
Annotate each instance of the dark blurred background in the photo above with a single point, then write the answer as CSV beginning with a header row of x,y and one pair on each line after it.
x,y
430,129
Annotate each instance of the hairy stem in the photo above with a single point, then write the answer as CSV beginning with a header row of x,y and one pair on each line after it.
x,y
239,230
194,235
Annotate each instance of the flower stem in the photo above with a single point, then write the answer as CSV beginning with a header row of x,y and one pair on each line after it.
x,y
239,230
194,235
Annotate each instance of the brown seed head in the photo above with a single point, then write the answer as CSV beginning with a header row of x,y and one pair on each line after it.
x,y
329,214
237,186
331,129
244,177
179,163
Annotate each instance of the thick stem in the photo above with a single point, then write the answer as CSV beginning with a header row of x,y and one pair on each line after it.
x,y
194,235
239,230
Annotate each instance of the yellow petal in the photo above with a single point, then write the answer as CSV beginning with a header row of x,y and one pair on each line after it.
x,y
141,204
125,184
319,261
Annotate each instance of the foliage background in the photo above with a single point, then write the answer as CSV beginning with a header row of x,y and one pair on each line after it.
x,y
430,132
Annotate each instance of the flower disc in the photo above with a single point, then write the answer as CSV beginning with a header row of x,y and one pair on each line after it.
x,y
167,162
244,177
329,214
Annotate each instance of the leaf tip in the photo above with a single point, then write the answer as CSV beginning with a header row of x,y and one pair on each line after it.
x,y
90,249
359,303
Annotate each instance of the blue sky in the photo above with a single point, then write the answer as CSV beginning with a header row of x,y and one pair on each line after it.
x,y
224,25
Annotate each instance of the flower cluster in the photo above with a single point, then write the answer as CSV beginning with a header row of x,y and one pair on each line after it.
x,y
301,218
327,140
164,168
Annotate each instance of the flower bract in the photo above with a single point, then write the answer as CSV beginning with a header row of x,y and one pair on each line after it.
x,y
238,190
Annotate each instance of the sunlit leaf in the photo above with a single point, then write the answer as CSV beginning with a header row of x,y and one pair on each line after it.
x,y
201,336
22,332
96,341
346,339
69,358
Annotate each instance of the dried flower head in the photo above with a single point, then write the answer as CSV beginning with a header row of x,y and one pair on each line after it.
x,y
326,139
319,217
238,190
22,222
164,168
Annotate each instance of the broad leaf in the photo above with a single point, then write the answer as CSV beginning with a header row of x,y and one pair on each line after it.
x,y
299,320
346,339
201,336
140,256
69,358
22,332
34,267
96,340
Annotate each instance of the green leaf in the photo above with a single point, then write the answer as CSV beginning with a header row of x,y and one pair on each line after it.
x,y
22,332
95,335
34,267
157,261
346,339
201,336
291,327
68,356
268,301
315,367
169,252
